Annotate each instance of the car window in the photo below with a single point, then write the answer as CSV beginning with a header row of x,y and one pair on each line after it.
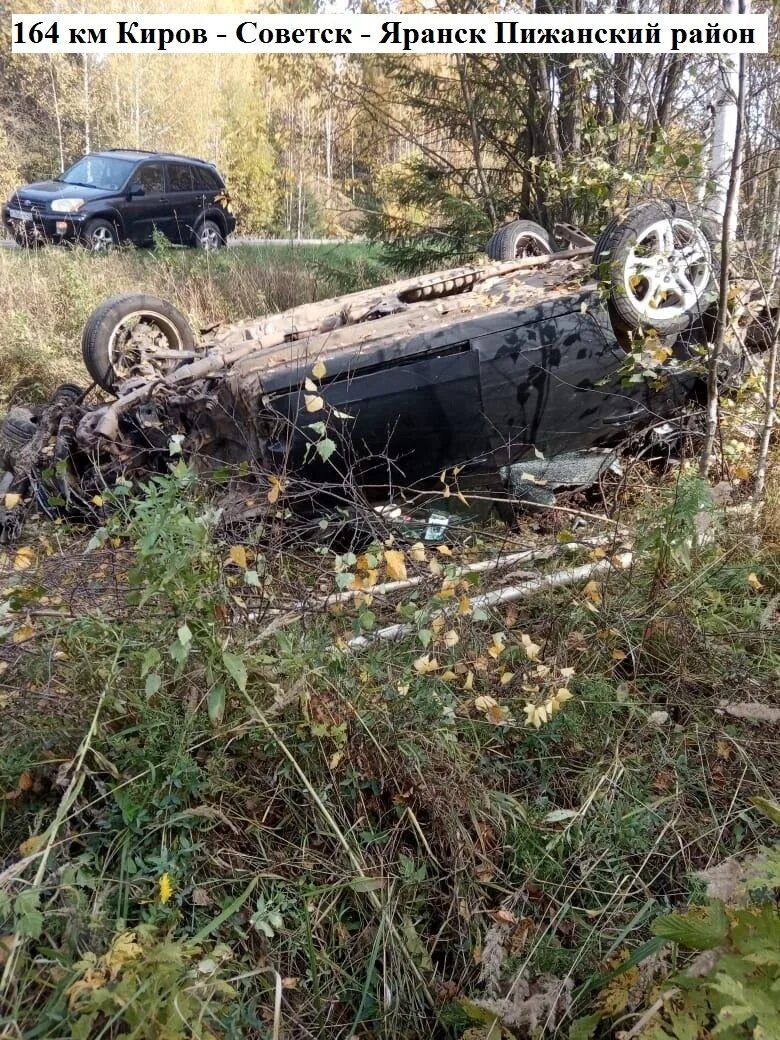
x,y
179,177
205,179
98,171
150,176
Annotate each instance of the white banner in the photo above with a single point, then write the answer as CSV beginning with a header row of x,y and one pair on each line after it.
x,y
380,34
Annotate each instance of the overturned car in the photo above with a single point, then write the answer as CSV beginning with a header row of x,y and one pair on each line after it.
x,y
471,370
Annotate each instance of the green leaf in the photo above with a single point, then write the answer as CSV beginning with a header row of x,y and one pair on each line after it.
x,y
215,702
251,578
150,659
366,884
584,1028
153,684
701,928
325,448
184,634
29,919
768,807
236,669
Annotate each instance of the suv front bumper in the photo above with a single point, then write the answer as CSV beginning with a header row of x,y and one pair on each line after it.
x,y
33,228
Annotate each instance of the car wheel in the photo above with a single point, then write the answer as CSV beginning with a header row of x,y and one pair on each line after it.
x,y
520,239
67,393
100,236
660,266
208,235
136,335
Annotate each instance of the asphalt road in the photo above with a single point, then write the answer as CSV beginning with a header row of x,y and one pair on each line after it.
x,y
8,243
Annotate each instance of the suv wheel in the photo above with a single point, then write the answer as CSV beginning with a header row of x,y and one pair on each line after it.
x,y
660,266
135,336
520,239
208,235
100,236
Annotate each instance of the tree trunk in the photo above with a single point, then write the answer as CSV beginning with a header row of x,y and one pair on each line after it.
x,y
724,134
729,223
57,111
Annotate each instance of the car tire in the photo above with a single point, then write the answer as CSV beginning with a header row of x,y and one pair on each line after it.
x,y
209,235
660,267
602,242
68,393
519,239
100,236
18,430
99,348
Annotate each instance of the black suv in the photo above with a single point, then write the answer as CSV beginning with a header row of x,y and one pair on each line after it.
x,y
124,195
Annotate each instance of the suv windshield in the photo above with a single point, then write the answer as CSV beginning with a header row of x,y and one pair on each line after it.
x,y
99,171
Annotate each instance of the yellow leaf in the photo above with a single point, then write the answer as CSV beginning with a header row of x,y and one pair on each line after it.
x,y
449,676
753,581
313,403
451,638
91,980
592,592
469,683
485,703
464,605
311,386
395,565
426,664
597,554
444,550
497,715
277,487
238,556
318,370
562,695
507,678
619,655
12,500
531,649
335,758
461,497
417,552
434,567
567,673
23,633
32,844
24,558
124,949
165,886
97,500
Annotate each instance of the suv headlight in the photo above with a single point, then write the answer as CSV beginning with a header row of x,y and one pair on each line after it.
x,y
66,205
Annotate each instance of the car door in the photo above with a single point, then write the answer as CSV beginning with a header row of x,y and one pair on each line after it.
x,y
556,383
184,198
148,209
401,421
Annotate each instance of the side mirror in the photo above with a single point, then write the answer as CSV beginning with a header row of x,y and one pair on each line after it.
x,y
136,188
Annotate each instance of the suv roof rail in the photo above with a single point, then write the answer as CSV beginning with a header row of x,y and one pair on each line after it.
x,y
172,155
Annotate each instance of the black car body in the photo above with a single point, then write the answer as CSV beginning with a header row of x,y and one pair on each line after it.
x,y
128,195
479,380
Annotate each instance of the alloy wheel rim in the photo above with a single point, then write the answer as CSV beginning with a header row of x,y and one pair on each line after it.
x,y
668,269
209,238
101,239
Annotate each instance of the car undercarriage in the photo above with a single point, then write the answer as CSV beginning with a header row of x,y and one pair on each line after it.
x,y
471,370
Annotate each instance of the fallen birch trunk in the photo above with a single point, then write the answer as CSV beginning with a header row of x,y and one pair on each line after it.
x,y
508,594
496,563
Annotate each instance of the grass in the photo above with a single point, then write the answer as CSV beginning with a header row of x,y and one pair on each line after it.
x,y
274,832
47,295
214,828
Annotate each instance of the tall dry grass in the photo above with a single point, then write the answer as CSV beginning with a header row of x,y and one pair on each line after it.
x,y
47,295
